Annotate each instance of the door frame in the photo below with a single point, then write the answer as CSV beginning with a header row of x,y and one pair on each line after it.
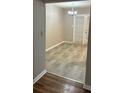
x,y
74,24
89,40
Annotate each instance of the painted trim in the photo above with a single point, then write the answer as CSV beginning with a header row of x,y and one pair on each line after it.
x,y
87,87
74,24
54,46
57,45
66,78
39,76
68,42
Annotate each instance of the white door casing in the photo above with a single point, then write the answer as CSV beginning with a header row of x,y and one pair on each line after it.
x,y
85,30
80,29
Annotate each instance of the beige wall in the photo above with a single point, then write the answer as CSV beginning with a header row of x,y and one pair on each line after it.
x,y
54,25
68,31
68,36
59,24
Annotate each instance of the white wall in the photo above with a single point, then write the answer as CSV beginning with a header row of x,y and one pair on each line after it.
x,y
54,25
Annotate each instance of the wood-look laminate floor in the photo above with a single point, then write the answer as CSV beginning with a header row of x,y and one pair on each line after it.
x,y
67,60
50,83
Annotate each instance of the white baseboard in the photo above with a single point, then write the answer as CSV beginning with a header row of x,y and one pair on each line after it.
x,y
39,76
66,77
87,87
68,42
57,45
54,46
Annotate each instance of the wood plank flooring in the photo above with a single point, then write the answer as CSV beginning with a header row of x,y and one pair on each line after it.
x,y
50,83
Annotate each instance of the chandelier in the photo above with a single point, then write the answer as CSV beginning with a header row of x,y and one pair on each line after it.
x,y
72,12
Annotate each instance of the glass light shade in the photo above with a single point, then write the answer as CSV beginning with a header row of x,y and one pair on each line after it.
x,y
75,12
72,12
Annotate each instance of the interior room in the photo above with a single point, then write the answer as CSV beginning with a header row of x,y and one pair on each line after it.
x,y
67,26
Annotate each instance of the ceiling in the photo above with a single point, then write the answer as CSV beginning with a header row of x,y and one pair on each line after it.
x,y
76,4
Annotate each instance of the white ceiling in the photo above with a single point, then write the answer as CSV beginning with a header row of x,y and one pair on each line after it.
x,y
77,4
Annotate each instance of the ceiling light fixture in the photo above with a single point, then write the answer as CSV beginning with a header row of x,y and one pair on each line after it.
x,y
72,12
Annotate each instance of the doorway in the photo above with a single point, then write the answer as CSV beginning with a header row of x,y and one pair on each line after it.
x,y
66,40
81,29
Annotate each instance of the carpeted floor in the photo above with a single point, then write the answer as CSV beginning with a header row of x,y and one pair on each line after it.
x,y
68,60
